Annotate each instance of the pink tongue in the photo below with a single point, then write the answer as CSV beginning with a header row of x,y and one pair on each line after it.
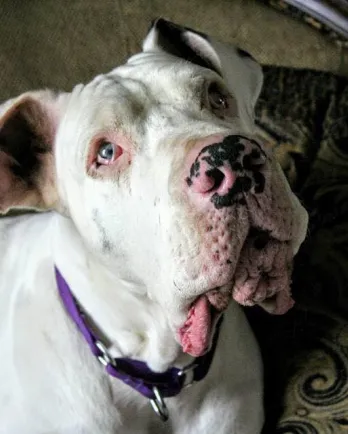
x,y
195,333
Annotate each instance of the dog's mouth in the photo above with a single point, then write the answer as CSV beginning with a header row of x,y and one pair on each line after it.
x,y
262,276
196,334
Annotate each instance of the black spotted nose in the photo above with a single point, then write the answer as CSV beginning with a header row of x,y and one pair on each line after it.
x,y
220,167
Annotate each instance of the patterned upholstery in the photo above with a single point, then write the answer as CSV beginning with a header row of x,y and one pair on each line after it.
x,y
304,115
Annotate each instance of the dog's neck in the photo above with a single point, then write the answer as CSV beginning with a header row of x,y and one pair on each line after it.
x,y
117,309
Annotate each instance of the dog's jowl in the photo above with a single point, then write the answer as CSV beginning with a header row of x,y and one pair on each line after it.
x,y
160,214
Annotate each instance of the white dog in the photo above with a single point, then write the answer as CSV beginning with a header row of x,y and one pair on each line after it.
x,y
163,212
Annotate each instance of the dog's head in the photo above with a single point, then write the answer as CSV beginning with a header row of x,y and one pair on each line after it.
x,y
157,166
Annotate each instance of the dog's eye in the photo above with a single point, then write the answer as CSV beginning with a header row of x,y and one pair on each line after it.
x,y
219,101
108,152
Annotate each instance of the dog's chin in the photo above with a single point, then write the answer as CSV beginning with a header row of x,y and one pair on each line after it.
x,y
197,333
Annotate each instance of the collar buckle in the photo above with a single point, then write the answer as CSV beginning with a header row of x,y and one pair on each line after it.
x,y
157,403
189,374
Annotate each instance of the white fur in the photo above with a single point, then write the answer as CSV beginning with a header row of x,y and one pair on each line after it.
x,y
118,242
50,383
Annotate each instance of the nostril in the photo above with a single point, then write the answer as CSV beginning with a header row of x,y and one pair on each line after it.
x,y
217,177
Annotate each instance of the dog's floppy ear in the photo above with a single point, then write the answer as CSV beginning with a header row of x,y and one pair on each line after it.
x,y
27,130
242,74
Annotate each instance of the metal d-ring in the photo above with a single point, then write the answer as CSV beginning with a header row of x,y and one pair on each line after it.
x,y
159,405
104,357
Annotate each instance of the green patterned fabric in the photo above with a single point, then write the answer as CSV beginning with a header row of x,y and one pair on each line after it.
x,y
304,116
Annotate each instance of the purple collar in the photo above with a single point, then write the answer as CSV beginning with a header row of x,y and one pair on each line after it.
x,y
135,373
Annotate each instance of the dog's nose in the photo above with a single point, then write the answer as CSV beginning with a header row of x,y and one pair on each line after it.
x,y
218,165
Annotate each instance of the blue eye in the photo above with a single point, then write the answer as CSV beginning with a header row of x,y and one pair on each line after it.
x,y
107,151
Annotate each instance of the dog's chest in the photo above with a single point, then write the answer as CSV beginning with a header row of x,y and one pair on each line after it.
x,y
45,359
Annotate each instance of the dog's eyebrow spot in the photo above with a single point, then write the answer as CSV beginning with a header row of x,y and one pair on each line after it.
x,y
131,93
